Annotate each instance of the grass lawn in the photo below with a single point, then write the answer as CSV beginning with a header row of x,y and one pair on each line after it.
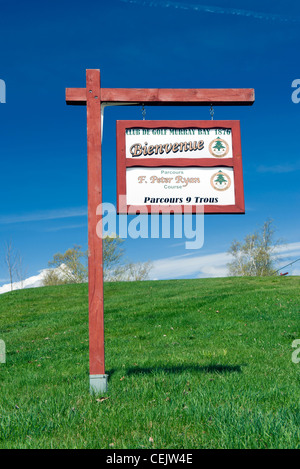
x,y
192,364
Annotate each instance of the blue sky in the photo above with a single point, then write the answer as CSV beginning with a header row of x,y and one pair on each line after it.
x,y
47,46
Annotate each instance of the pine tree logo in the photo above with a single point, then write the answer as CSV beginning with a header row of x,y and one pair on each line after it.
x,y
220,181
218,147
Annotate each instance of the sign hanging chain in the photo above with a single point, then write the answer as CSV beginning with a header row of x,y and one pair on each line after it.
x,y
143,111
212,112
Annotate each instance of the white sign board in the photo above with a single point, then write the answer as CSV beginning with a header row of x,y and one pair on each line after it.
x,y
180,186
178,143
173,164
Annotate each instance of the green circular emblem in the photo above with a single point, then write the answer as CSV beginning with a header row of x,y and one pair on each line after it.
x,y
218,147
220,181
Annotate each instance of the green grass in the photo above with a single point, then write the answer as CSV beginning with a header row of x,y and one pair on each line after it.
x,y
191,364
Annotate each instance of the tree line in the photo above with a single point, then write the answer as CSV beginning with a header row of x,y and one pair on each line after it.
x,y
72,266
254,256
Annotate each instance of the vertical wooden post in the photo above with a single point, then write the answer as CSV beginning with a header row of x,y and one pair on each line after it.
x,y
98,379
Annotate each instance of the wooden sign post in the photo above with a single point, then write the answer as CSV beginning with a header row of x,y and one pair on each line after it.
x,y
94,98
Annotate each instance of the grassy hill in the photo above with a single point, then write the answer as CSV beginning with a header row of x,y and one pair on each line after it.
x,y
191,363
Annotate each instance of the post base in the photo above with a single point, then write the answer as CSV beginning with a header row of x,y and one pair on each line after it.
x,y
98,384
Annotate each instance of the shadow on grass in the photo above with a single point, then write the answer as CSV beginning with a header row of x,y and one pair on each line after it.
x,y
182,368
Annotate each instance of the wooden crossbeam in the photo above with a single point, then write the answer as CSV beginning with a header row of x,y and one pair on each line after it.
x,y
167,97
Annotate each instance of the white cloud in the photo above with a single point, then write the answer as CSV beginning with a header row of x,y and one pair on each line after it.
x,y
214,10
66,227
44,215
31,282
288,252
288,248
279,168
210,265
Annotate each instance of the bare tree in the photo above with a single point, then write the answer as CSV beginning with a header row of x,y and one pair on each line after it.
x,y
14,264
10,260
20,271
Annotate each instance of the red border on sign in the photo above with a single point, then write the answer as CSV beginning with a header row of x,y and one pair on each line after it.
x,y
235,162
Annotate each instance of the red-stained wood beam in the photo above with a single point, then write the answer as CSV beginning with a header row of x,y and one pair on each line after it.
x,y
76,96
95,245
167,97
178,162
